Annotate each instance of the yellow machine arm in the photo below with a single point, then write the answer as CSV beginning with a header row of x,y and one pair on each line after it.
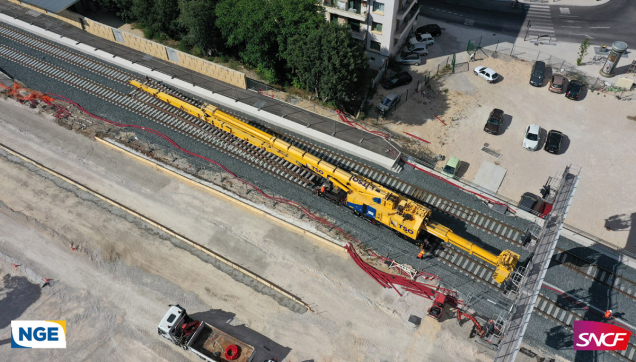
x,y
505,262
366,197
363,195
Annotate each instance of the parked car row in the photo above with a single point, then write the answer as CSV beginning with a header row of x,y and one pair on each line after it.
x,y
531,137
417,46
557,82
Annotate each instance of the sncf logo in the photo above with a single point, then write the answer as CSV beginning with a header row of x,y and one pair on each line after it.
x,y
38,334
597,336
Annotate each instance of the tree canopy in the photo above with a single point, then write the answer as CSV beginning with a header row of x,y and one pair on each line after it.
x,y
260,30
329,62
285,40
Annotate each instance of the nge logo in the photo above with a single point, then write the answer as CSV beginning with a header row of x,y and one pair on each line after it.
x,y
38,334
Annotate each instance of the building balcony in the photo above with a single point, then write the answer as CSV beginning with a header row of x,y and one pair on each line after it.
x,y
404,8
359,35
345,9
407,22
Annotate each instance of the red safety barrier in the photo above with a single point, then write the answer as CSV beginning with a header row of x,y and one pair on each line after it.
x,y
387,280
439,119
417,138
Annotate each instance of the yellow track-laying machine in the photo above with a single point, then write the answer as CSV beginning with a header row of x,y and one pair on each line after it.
x,y
367,198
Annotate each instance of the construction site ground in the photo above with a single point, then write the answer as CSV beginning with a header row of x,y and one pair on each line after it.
x,y
599,133
116,284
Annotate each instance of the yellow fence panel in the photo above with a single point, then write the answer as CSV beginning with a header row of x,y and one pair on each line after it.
x,y
101,30
143,45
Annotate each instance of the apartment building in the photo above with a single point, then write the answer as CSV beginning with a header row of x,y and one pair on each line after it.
x,y
382,26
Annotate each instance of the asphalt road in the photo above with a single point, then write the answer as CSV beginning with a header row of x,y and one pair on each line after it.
x,y
602,24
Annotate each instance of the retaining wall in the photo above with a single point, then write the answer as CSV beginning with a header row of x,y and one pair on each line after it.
x,y
157,50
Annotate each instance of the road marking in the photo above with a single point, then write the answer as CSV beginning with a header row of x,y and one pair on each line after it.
x,y
591,37
568,16
564,10
573,27
599,27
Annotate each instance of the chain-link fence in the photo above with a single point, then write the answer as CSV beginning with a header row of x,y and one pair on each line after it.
x,y
509,51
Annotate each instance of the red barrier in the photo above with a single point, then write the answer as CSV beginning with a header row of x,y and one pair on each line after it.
x,y
417,138
439,119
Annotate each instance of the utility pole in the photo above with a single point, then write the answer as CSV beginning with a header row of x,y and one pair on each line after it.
x,y
527,30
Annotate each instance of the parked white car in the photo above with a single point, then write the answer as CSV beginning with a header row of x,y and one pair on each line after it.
x,y
426,39
531,139
488,74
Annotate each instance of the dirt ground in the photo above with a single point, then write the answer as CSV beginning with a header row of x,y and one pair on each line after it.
x,y
115,286
599,133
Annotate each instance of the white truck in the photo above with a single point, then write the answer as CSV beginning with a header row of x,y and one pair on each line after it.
x,y
200,338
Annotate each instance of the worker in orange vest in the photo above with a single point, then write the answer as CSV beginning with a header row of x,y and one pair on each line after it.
x,y
421,254
608,314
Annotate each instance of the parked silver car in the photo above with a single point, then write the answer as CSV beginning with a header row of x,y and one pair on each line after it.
x,y
409,58
388,103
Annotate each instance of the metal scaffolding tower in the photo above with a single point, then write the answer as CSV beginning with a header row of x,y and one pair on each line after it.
x,y
521,311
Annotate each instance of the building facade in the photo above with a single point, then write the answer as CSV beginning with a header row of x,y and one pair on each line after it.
x,y
382,26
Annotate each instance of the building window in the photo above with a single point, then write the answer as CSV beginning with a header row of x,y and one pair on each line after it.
x,y
377,27
378,7
375,46
334,18
355,25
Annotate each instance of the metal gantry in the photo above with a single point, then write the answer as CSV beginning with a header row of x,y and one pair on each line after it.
x,y
535,271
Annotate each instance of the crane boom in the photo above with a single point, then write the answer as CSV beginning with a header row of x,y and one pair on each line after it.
x,y
365,197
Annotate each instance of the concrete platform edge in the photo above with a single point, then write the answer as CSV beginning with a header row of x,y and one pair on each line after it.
x,y
219,192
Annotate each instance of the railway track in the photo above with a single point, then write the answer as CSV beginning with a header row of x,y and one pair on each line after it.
x,y
144,105
265,162
170,117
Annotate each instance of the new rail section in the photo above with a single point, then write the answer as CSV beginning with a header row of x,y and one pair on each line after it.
x,y
367,198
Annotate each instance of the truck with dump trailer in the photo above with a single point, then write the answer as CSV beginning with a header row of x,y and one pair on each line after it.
x,y
200,338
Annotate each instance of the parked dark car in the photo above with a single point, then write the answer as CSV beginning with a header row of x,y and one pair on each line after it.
x,y
531,202
432,29
397,80
538,72
494,121
553,142
574,90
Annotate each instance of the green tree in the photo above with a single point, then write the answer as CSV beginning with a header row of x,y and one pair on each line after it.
x,y
198,17
122,8
585,44
329,62
260,30
158,15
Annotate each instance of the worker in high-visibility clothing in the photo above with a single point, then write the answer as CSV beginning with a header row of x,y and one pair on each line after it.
x,y
608,314
421,254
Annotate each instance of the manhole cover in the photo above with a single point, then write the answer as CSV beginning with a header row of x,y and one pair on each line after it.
x,y
491,152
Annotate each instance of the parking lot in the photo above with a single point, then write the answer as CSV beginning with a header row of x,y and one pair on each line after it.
x,y
599,136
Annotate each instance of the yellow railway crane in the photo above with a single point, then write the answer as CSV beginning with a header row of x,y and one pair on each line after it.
x,y
367,198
